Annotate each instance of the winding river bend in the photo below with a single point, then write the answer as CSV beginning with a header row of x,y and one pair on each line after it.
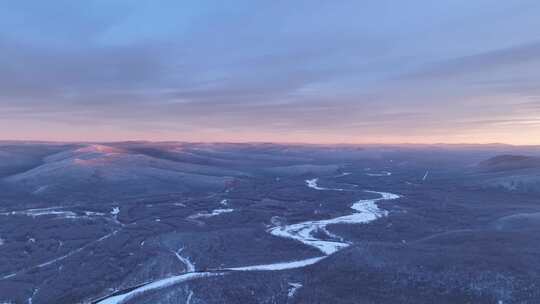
x,y
365,211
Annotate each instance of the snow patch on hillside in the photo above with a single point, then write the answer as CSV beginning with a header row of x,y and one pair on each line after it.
x,y
382,173
293,287
214,212
313,184
190,267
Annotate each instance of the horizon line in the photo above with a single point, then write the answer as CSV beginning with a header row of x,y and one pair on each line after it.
x,y
267,142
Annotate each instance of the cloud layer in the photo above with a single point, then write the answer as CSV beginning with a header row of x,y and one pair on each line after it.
x,y
316,71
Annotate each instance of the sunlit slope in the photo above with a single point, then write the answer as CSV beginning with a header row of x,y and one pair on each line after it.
x,y
96,169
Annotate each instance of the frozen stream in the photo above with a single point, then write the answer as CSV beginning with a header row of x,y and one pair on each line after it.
x,y
365,211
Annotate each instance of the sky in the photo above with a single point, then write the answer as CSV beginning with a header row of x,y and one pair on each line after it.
x,y
453,71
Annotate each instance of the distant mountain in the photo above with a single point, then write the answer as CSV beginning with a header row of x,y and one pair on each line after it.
x,y
509,162
517,173
19,157
101,170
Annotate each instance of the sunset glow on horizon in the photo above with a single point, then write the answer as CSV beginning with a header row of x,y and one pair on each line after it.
x,y
290,72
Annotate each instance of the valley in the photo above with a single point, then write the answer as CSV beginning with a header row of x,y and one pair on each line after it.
x,y
263,223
